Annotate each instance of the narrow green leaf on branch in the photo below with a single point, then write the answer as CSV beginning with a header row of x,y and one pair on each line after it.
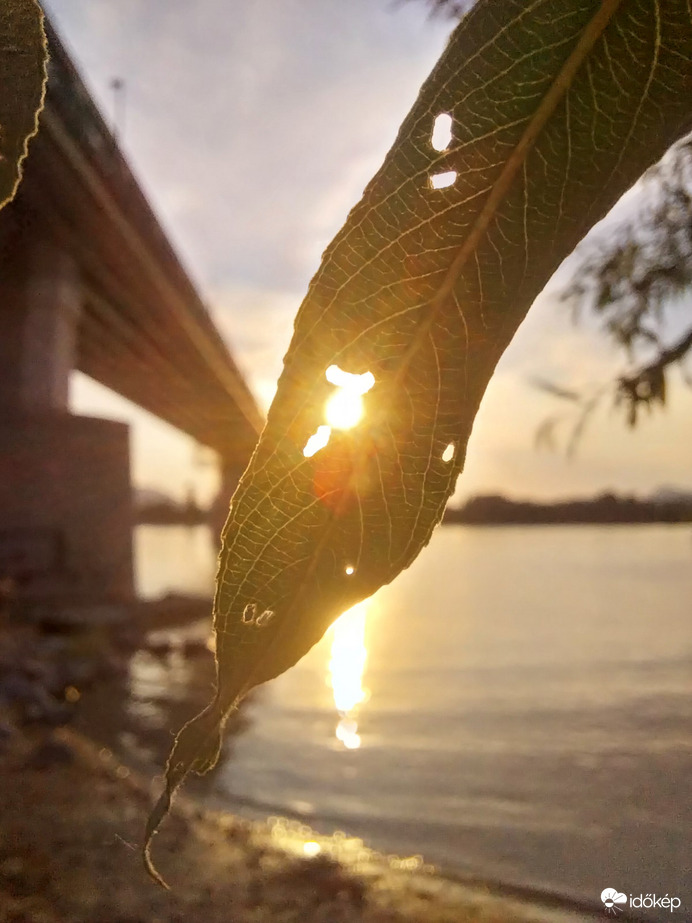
x,y
22,83
556,106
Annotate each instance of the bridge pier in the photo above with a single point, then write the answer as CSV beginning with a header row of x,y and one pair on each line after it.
x,y
65,497
40,313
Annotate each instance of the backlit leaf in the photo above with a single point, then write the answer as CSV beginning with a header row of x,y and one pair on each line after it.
x,y
557,106
22,79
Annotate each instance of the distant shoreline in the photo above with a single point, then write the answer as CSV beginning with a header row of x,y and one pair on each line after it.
x,y
494,509
172,517
606,509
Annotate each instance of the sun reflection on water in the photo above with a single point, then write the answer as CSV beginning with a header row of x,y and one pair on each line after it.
x,y
346,669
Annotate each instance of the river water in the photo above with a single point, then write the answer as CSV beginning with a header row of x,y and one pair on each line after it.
x,y
516,706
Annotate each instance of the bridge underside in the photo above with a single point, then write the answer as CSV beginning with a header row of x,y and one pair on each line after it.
x,y
142,329
88,280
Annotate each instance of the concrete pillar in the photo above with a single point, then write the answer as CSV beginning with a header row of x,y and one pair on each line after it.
x,y
65,496
39,311
66,507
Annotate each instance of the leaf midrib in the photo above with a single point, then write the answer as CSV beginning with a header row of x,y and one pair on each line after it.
x,y
558,89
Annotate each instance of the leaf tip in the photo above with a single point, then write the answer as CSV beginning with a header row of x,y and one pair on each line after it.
x,y
151,869
160,810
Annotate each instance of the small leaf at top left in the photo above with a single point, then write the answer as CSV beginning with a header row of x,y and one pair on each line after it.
x,y
22,83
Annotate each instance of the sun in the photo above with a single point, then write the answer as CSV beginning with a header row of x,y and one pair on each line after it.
x,y
345,408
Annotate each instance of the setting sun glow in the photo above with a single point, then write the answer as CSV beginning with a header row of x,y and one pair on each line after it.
x,y
344,409
346,668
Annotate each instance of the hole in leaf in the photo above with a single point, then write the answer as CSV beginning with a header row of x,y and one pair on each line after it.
x,y
345,408
317,441
265,617
359,384
249,612
442,180
349,569
442,132
448,453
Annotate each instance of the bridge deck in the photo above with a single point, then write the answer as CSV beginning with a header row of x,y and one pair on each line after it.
x,y
144,331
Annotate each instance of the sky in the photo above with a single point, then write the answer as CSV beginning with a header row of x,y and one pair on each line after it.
x,y
253,129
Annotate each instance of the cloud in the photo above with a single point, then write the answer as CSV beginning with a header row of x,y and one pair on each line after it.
x,y
258,323
244,119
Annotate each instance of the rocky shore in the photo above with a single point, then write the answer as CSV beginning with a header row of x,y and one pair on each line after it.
x,y
72,815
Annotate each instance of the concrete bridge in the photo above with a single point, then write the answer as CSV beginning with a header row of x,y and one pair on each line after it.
x,y
89,281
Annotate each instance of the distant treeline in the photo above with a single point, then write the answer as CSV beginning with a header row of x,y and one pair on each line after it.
x,y
168,513
483,510
606,508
